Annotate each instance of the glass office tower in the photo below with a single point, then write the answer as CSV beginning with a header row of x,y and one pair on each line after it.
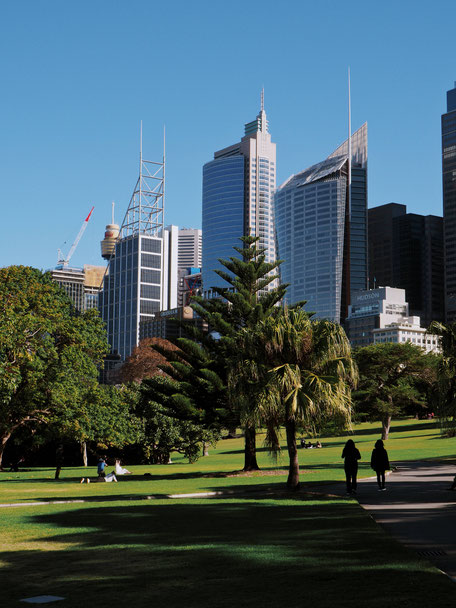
x,y
322,231
449,203
238,198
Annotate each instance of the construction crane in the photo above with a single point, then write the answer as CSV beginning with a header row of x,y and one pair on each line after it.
x,y
63,262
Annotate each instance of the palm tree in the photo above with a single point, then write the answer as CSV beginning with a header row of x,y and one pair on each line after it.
x,y
302,371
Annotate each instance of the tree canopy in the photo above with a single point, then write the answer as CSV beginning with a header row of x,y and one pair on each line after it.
x,y
391,382
48,351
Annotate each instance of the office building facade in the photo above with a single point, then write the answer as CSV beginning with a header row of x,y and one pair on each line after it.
x,y
449,202
322,230
238,191
135,287
382,315
190,248
406,251
82,285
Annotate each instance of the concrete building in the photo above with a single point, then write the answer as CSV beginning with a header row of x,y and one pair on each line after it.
x,y
238,189
321,222
190,248
372,309
449,202
408,330
382,315
136,284
81,284
167,323
406,251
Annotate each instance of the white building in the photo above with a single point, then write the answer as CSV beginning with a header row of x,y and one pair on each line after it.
x,y
407,330
382,315
190,248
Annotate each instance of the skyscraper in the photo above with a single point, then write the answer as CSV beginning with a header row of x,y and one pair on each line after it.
x,y
238,190
134,288
406,251
449,202
190,248
321,226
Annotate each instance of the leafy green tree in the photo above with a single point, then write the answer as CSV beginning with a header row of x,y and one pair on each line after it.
x,y
301,372
446,376
390,378
48,352
193,393
244,303
164,432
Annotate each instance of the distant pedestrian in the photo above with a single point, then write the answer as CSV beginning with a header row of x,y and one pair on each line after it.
x,y
380,463
351,455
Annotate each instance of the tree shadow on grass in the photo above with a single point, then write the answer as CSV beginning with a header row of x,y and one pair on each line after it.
x,y
220,553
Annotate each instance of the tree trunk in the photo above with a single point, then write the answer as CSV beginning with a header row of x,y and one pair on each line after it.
x,y
293,470
3,441
84,453
386,425
205,449
250,461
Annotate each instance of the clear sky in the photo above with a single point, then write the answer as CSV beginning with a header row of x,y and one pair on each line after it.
x,y
78,77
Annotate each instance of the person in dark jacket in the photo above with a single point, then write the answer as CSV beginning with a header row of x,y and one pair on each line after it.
x,y
380,463
351,455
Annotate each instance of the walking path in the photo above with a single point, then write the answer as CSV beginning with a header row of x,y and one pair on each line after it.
x,y
417,509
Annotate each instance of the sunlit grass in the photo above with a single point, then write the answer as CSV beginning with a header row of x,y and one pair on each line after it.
x,y
409,440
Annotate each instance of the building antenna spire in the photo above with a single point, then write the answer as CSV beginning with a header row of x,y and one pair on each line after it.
x,y
262,99
349,130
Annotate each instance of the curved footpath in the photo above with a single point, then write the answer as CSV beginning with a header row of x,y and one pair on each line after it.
x,y
417,509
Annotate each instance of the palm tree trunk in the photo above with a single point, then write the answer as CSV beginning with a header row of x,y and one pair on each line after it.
x,y
293,470
386,425
250,461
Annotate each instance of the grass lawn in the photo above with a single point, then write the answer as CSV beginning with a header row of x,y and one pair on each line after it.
x,y
241,551
409,440
220,552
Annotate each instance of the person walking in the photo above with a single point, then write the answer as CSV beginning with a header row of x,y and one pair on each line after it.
x,y
351,455
380,463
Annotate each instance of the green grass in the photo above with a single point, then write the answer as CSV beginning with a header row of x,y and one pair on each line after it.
x,y
251,549
221,552
409,440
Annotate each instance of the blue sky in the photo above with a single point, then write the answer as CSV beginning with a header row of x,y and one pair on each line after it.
x,y
78,77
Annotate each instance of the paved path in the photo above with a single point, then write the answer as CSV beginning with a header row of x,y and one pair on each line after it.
x,y
417,509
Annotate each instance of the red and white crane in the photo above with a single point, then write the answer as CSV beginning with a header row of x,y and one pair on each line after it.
x,y
63,262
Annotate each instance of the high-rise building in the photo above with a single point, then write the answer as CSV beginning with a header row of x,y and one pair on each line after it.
x,y
134,288
190,248
449,202
321,226
406,251
82,285
238,190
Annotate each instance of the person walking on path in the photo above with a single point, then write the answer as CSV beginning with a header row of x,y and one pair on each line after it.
x,y
351,455
380,463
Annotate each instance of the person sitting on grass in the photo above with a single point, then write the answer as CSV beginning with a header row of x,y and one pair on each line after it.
x,y
101,467
120,470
